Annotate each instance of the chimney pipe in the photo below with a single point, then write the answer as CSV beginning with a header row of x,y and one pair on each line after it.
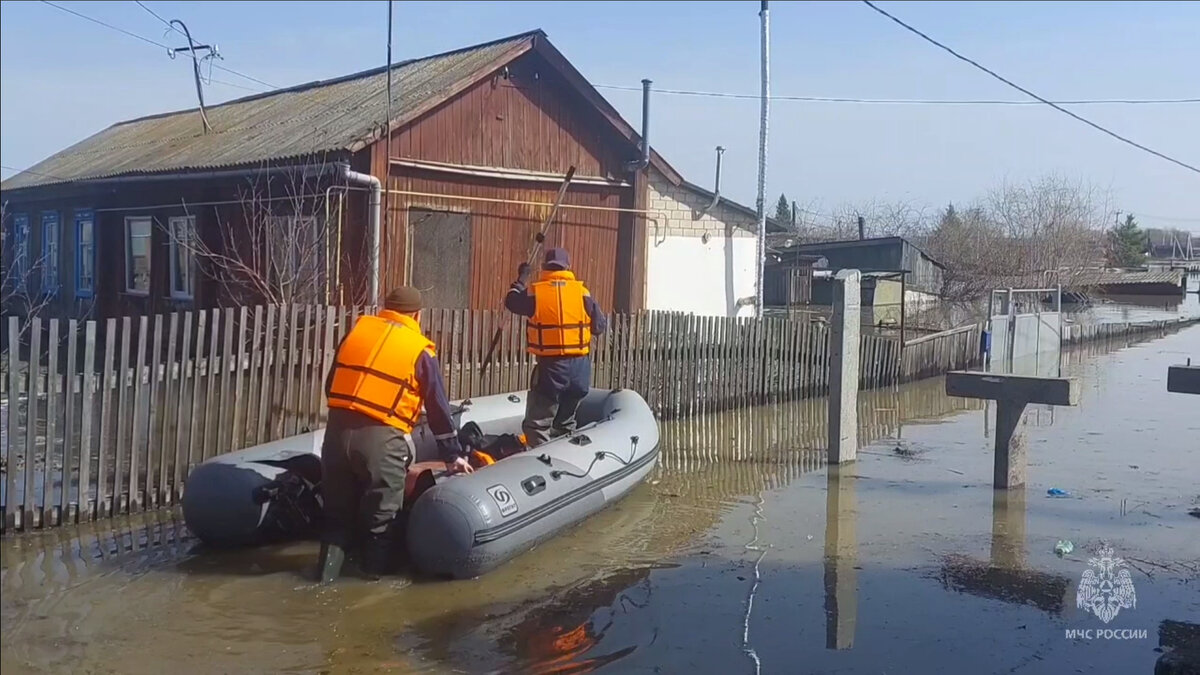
x,y
644,161
862,228
716,184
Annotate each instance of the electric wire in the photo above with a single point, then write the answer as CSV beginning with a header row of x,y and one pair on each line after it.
x,y
902,101
1025,91
148,41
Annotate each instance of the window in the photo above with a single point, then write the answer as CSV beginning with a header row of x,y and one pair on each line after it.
x,y
20,249
183,260
297,256
85,254
137,254
50,235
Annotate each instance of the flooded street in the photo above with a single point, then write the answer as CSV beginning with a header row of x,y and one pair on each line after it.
x,y
742,554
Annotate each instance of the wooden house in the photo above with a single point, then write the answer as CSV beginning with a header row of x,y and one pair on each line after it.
x,y
273,201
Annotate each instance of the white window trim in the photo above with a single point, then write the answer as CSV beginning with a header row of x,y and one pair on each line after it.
x,y
187,294
129,220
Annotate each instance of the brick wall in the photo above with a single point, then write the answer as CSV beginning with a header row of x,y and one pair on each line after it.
x,y
698,264
682,208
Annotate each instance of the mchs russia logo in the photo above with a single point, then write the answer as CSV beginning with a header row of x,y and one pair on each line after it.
x,y
1106,587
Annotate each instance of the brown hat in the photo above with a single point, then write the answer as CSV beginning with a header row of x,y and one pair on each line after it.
x,y
405,299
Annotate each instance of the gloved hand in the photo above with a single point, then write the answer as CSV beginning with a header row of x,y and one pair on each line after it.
x,y
459,465
524,272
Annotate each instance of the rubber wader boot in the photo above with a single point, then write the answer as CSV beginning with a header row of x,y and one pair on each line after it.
x,y
329,566
377,556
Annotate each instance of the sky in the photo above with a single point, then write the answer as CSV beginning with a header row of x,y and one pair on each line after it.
x,y
63,78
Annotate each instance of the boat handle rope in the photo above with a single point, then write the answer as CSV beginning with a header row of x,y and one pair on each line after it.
x,y
600,454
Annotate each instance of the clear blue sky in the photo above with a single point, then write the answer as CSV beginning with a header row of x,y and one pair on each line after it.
x,y
62,78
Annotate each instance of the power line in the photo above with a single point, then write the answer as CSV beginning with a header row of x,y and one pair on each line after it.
x,y
902,101
1027,92
155,15
147,40
106,25
34,173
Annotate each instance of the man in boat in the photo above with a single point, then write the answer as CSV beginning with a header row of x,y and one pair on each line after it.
x,y
385,371
562,318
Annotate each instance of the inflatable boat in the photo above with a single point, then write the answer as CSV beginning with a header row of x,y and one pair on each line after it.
x,y
459,525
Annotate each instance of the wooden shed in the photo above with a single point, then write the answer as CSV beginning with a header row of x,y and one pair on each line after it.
x,y
158,213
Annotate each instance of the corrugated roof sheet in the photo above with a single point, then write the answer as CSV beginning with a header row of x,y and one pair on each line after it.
x,y
320,117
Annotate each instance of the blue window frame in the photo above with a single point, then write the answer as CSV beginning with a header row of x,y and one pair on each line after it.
x,y
50,237
85,253
20,249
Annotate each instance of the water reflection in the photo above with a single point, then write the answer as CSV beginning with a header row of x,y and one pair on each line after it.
x,y
1005,575
841,558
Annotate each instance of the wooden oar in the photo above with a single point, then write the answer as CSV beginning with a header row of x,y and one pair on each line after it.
x,y
537,246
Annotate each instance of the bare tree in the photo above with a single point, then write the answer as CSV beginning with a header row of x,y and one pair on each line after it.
x,y
280,243
23,295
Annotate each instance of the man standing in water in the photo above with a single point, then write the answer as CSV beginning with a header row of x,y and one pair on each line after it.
x,y
563,317
384,372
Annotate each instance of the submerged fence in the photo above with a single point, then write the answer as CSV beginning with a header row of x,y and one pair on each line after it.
x,y
110,417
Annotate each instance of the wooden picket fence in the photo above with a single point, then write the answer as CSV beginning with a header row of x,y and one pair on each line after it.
x,y
111,416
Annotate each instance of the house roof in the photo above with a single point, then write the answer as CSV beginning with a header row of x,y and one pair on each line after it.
x,y
856,243
337,116
773,225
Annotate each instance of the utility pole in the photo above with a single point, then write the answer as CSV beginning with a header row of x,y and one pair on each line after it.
x,y
387,131
762,159
193,48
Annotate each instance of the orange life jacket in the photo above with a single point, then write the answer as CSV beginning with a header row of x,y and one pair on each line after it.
x,y
560,325
374,372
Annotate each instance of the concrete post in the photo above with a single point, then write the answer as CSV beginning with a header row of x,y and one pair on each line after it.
x,y
1011,394
1183,379
843,368
1008,467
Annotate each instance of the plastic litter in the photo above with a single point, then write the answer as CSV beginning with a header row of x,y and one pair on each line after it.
x,y
1063,547
1055,492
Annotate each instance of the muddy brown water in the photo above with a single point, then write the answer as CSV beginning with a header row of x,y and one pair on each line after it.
x,y
742,554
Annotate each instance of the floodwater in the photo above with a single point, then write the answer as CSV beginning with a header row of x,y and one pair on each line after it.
x,y
743,554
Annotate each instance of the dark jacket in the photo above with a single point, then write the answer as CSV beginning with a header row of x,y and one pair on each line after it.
x,y
558,374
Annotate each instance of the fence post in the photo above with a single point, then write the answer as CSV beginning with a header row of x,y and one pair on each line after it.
x,y
843,368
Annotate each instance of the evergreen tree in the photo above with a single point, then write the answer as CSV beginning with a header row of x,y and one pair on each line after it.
x,y
783,210
1127,244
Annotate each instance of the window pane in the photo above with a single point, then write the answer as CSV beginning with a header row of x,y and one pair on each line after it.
x,y
182,257
85,266
50,233
138,249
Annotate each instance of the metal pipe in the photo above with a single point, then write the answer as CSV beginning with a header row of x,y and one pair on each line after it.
x,y
376,186
645,213
762,159
644,161
716,184
862,228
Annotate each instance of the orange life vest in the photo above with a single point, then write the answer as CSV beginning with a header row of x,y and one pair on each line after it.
x,y
560,325
374,372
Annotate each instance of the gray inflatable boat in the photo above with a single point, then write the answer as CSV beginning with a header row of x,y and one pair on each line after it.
x,y
458,526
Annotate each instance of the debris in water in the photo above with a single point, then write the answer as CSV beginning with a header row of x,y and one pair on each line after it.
x,y
1133,466
1063,547
1195,513
1055,492
810,537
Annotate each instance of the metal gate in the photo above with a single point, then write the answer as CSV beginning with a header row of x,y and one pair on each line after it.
x,y
1025,325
